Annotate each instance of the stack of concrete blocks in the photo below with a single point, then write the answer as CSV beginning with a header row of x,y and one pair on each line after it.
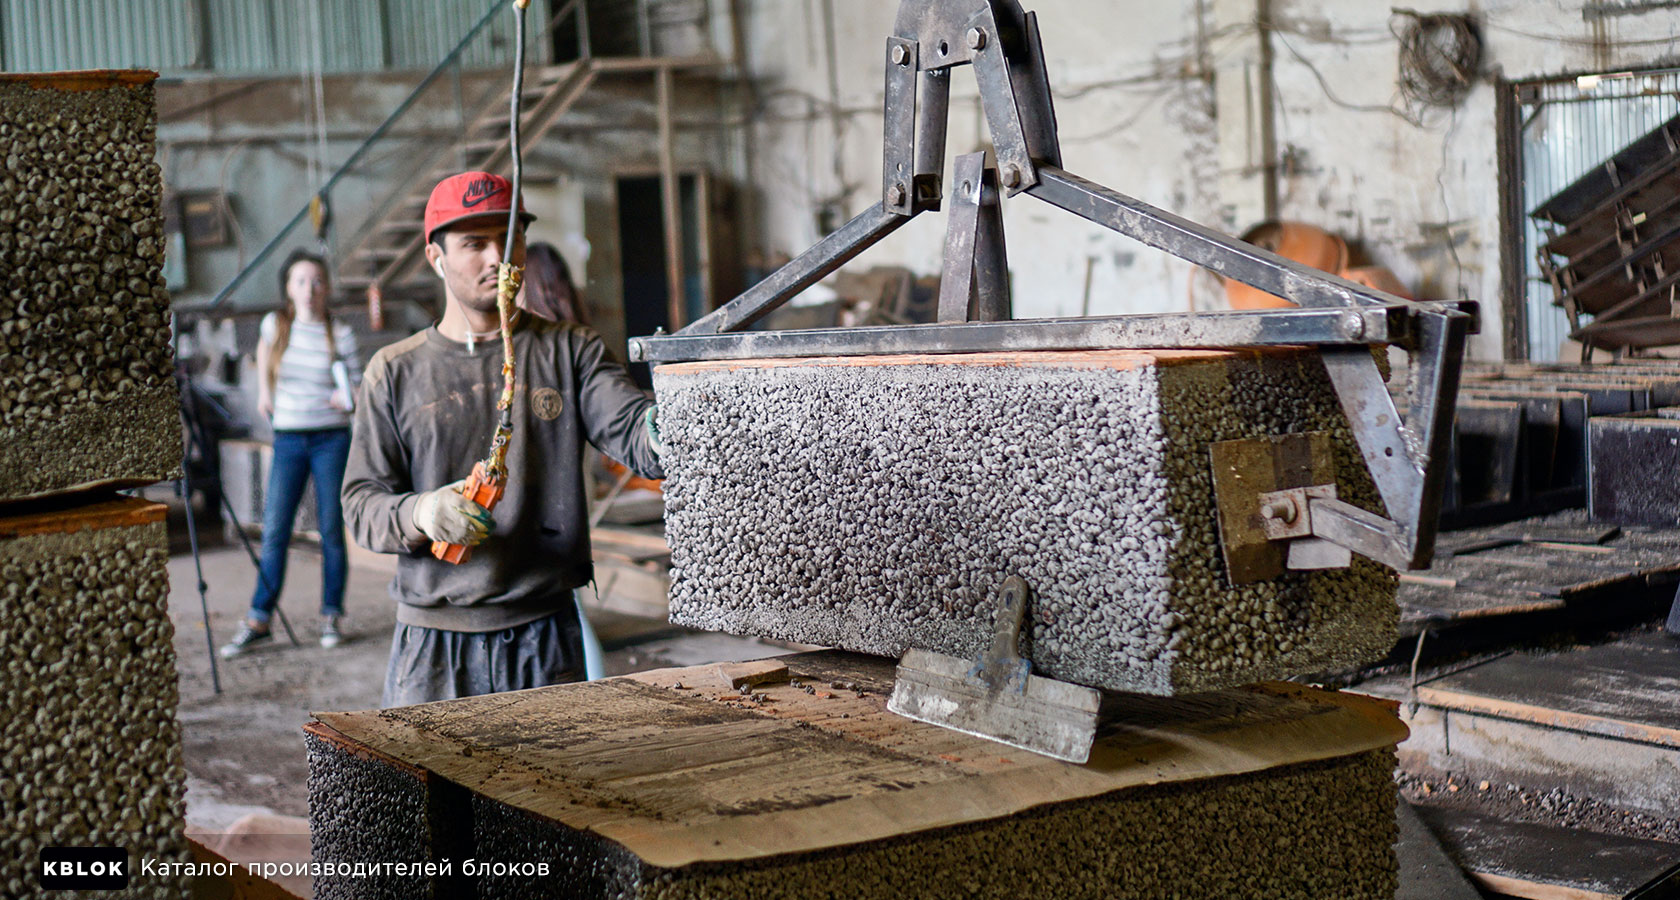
x,y
87,404
673,785
876,503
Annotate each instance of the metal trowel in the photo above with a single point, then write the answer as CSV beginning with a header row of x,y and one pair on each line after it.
x,y
996,696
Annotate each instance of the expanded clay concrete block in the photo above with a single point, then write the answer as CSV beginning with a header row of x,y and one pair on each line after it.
x,y
370,810
1305,832
875,504
87,390
92,751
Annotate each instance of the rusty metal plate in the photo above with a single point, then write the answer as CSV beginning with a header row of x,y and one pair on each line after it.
x,y
1245,469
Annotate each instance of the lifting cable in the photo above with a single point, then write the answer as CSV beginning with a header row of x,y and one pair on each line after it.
x,y
489,476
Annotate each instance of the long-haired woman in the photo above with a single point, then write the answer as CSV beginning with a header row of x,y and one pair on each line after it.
x,y
305,366
549,290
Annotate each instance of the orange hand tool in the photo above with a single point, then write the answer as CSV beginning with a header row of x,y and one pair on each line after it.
x,y
486,492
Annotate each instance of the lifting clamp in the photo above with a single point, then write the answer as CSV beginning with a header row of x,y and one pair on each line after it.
x,y
1407,457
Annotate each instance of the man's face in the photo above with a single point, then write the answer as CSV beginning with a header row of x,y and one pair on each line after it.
x,y
469,257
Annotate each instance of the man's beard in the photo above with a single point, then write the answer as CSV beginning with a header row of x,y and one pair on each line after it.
x,y
480,299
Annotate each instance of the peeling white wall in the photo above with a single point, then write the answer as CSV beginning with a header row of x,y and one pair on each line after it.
x,y
1135,88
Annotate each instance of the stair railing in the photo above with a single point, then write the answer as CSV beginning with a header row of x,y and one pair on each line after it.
x,y
578,8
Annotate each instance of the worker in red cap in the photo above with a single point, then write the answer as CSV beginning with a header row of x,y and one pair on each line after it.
x,y
504,619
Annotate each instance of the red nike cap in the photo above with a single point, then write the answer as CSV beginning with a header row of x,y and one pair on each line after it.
x,y
470,195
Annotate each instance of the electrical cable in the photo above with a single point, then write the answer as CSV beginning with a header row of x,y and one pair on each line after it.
x,y
1330,95
1585,42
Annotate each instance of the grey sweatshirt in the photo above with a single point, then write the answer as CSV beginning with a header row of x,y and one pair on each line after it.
x,y
424,416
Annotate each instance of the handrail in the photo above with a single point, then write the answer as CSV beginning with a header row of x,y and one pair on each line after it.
x,y
402,108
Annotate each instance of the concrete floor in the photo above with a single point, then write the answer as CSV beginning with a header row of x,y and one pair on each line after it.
x,y
243,746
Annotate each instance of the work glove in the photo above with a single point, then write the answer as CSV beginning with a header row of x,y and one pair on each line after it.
x,y
654,441
444,515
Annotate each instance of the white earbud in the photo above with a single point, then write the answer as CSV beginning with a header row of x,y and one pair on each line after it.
x,y
437,266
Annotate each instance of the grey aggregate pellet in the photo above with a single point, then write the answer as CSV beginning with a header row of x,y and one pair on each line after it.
x,y
875,508
87,389
92,750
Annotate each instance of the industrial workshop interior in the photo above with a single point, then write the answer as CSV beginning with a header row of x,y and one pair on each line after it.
x,y
783,449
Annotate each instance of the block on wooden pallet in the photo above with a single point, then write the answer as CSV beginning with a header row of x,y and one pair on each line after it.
x,y
92,751
87,376
876,503
648,786
367,809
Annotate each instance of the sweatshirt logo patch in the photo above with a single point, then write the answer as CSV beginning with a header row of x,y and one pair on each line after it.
x,y
546,403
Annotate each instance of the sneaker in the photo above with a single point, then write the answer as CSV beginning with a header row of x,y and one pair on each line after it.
x,y
330,635
249,636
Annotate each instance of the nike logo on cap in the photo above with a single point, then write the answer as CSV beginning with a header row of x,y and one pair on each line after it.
x,y
479,191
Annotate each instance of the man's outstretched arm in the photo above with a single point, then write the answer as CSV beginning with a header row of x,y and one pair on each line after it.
x,y
378,491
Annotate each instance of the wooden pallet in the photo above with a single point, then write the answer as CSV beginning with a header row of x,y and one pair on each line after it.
x,y
1545,564
682,766
1543,862
1629,689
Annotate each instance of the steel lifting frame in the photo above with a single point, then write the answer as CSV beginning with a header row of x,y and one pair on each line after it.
x,y
1406,458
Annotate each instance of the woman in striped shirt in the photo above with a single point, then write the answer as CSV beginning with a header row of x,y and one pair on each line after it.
x,y
305,363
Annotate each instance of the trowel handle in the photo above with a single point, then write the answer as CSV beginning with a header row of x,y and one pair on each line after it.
x,y
486,492
1006,624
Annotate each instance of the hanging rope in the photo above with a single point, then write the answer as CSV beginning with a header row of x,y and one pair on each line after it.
x,y
489,477
508,275
1440,54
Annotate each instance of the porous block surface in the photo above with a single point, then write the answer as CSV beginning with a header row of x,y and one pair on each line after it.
x,y
92,749
876,503
669,785
87,389
368,810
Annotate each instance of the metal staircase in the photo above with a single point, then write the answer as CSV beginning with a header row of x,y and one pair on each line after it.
x,y
389,249
386,250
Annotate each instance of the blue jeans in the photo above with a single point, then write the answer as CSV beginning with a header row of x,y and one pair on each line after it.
x,y
299,455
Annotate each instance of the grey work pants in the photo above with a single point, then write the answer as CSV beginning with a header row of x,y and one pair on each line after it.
x,y
429,664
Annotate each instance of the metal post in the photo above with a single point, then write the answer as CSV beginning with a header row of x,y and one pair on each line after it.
x,y
992,302
962,226
668,193
644,28
583,29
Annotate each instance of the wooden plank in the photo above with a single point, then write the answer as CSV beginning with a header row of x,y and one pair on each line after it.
x,y
1465,605
118,513
1624,690
635,544
81,80
1085,359
685,775
1544,862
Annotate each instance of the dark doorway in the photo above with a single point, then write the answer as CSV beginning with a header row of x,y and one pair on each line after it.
x,y
641,241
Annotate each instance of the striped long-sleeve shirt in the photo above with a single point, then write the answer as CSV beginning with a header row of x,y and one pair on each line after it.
x,y
304,385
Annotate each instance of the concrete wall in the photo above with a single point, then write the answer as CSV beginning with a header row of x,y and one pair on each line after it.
x,y
1158,100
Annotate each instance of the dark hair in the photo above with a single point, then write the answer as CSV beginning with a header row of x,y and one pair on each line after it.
x,y
549,289
283,316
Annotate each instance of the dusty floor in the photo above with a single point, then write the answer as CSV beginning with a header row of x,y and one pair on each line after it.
x,y
244,748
